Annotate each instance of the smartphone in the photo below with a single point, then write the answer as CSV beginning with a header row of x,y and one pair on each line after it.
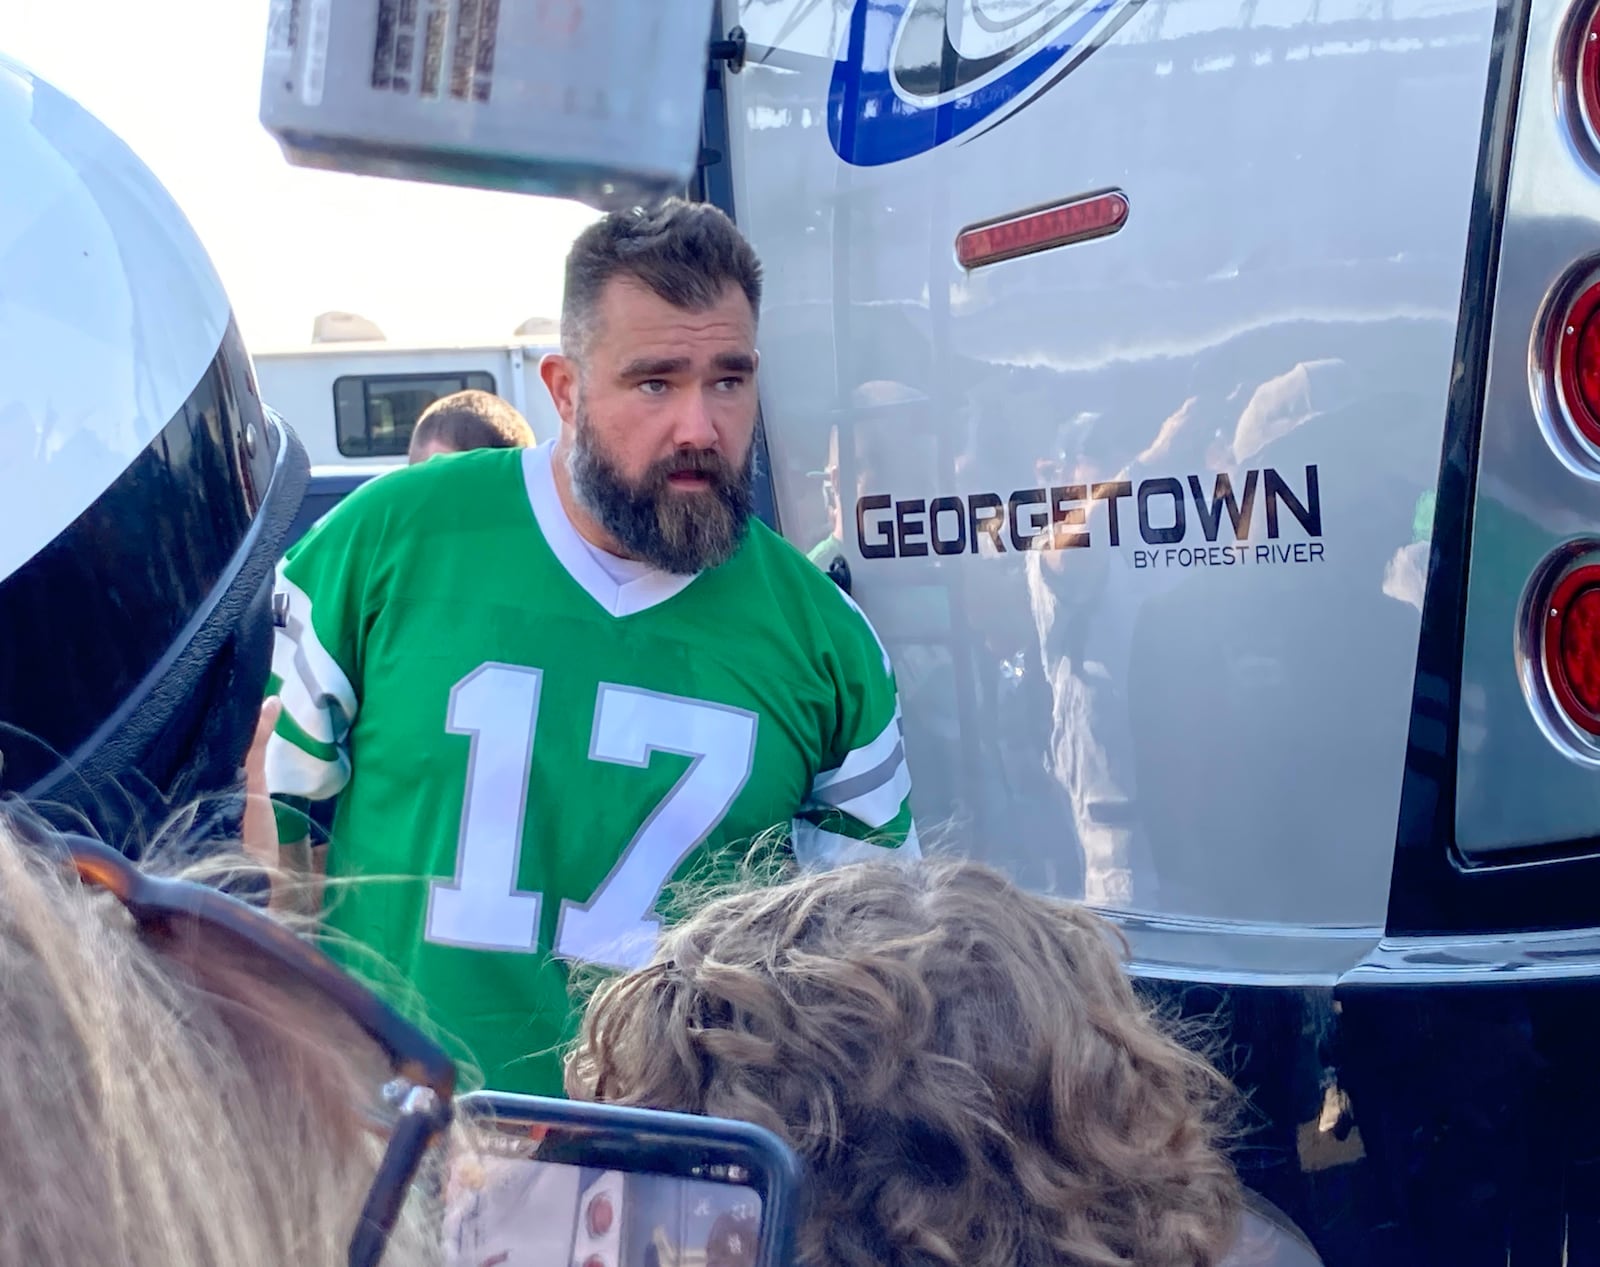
x,y
557,1183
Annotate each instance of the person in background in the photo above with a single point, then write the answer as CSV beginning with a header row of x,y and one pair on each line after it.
x,y
551,686
962,1066
467,420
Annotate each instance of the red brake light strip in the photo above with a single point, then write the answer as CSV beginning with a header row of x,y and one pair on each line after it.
x,y
1042,229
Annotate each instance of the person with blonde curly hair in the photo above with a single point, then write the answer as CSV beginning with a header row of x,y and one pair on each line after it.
x,y
963,1066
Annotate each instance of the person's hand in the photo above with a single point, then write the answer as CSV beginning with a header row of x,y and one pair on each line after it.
x,y
260,825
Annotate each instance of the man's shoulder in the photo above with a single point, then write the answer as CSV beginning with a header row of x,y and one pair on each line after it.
x,y
803,583
785,564
448,475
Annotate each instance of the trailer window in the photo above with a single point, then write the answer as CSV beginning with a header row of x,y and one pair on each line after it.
x,y
374,414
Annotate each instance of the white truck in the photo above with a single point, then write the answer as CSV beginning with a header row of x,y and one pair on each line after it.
x,y
353,404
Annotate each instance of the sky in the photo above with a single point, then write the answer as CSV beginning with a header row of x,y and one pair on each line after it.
x,y
179,81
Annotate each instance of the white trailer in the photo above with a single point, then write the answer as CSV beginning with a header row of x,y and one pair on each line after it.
x,y
1203,397
353,405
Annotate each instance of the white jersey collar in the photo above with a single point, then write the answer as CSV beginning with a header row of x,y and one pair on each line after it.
x,y
571,551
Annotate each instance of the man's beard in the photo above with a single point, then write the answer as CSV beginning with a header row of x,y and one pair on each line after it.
x,y
681,532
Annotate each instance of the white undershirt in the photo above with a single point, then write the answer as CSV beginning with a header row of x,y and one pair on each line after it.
x,y
623,587
616,567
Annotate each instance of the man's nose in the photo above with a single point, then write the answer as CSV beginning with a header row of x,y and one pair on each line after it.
x,y
693,427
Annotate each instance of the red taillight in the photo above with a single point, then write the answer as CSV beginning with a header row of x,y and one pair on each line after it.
x,y
600,1215
1578,363
1588,86
1039,230
1572,646
594,1260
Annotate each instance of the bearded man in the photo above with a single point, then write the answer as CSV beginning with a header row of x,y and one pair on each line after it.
x,y
550,685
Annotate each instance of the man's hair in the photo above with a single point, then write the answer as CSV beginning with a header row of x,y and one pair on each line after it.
x,y
964,1068
170,1105
687,253
470,420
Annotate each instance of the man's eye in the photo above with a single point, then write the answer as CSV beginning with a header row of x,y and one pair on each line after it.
x,y
653,386
730,384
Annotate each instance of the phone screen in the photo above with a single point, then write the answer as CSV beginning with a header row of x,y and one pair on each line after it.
x,y
518,1211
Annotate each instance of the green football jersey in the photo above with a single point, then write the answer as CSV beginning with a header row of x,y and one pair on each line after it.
x,y
529,752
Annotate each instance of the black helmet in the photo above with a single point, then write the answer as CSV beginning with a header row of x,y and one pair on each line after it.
x,y
145,493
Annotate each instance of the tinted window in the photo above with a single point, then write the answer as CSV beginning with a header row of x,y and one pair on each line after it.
x,y
373,415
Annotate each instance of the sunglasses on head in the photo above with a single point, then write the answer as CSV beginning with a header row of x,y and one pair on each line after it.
x,y
421,1094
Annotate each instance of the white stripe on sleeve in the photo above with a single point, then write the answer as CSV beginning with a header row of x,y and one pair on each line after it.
x,y
818,849
293,771
315,690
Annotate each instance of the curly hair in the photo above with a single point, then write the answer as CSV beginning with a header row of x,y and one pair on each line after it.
x,y
963,1067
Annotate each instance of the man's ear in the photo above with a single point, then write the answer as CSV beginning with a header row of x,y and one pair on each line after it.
x,y
560,375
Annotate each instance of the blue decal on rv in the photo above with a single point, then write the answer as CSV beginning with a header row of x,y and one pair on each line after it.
x,y
900,87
